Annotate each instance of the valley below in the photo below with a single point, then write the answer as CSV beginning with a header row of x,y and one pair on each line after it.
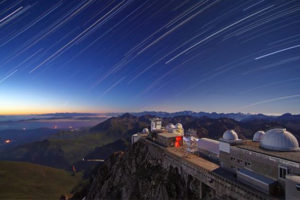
x,y
79,156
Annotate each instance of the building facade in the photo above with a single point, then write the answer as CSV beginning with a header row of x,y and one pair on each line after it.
x,y
269,163
265,169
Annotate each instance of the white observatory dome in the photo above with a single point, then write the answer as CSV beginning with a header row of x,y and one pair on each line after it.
x,y
179,126
230,135
258,136
145,130
279,139
170,126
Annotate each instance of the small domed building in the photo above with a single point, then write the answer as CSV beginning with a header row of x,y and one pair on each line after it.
x,y
279,139
176,129
179,126
136,137
170,128
145,131
258,136
230,136
179,129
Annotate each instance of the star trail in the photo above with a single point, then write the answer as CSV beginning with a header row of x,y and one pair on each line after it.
x,y
168,55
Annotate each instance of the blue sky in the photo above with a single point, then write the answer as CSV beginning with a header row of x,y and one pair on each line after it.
x,y
111,56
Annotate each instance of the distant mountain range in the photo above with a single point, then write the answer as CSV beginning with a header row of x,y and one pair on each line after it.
x,y
236,116
86,116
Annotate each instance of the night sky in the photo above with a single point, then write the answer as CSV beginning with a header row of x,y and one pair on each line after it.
x,y
135,55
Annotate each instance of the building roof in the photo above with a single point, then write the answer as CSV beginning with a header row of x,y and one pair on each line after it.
x,y
168,135
155,119
279,139
254,146
258,136
208,140
294,178
230,135
209,145
255,176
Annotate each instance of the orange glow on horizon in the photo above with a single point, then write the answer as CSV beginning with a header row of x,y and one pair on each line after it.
x,y
42,113
22,110
15,107
45,111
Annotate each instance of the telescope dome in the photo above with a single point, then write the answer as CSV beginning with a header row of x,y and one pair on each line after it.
x,y
279,139
230,135
258,136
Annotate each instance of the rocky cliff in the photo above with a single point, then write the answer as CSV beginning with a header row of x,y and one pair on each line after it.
x,y
138,174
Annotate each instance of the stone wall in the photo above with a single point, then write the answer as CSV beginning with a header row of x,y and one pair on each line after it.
x,y
260,163
223,188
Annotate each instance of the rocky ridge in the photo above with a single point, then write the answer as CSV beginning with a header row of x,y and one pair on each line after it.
x,y
138,174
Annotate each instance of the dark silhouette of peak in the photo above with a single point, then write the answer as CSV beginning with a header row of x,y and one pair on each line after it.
x,y
127,115
289,117
286,114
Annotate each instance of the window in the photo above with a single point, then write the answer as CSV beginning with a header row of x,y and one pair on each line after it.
x,y
239,160
247,163
283,171
232,158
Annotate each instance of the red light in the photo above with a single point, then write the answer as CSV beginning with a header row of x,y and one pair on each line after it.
x,y
177,142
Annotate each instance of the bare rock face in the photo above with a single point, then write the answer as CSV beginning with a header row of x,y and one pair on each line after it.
x,y
137,174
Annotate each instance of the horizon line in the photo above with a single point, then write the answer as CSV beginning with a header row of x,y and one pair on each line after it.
x,y
51,113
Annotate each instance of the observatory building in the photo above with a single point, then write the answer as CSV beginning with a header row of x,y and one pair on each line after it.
x,y
137,136
209,148
169,136
279,140
258,136
156,124
231,137
269,163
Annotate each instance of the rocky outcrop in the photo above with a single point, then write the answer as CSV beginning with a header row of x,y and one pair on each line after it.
x,y
139,174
